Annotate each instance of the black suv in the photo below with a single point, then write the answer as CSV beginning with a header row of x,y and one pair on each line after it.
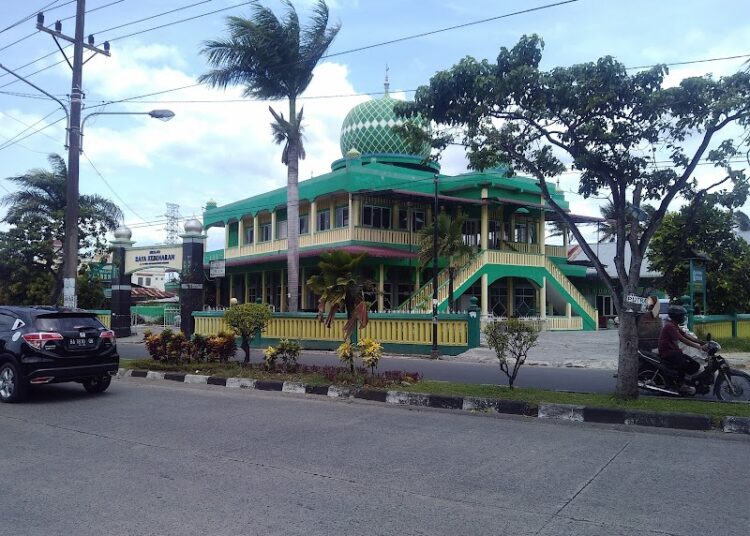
x,y
41,345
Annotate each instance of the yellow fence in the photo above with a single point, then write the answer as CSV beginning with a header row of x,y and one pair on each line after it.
x,y
743,329
210,325
105,319
304,329
722,329
400,331
554,323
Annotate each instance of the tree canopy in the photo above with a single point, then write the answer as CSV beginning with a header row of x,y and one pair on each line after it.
x,y
600,120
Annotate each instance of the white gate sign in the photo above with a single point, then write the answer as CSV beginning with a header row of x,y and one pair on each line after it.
x,y
217,268
167,257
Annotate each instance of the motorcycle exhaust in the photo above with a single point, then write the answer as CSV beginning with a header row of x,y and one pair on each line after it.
x,y
644,385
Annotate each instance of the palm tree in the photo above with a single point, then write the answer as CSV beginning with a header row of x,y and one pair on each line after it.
x,y
274,59
42,197
608,228
450,245
340,286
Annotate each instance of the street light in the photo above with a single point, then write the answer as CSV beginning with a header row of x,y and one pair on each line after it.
x,y
161,115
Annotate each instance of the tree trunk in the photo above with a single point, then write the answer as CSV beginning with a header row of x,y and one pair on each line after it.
x,y
627,365
245,345
292,210
451,304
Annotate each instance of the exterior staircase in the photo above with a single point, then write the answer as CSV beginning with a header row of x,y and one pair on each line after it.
x,y
506,263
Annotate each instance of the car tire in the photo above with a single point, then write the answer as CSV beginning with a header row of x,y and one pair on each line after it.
x,y
96,385
13,388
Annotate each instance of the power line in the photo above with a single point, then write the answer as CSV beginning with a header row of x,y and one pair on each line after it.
x,y
690,62
28,127
32,133
105,181
33,14
153,16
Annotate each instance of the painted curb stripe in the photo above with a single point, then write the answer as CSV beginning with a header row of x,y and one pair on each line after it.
x,y
567,412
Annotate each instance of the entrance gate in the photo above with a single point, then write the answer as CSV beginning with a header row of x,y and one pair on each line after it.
x,y
172,316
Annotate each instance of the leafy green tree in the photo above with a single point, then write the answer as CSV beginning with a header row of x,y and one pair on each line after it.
x,y
598,116
37,211
741,221
90,290
341,286
450,246
27,263
247,319
274,59
511,340
709,231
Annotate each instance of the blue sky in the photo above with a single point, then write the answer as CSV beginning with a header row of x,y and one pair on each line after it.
x,y
223,150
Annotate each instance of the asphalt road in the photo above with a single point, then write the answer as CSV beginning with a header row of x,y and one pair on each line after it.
x,y
560,378
150,458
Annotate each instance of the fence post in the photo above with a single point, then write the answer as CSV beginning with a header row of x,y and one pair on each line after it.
x,y
473,318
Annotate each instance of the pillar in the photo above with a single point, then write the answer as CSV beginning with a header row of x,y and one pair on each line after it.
x,y
246,298
568,310
231,287
263,290
485,295
218,291
395,216
313,217
542,229
191,285
417,283
256,229
240,232
303,281
510,297
351,214
282,291
273,226
120,302
543,299
381,287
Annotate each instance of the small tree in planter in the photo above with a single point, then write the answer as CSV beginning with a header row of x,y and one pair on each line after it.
x,y
247,320
511,340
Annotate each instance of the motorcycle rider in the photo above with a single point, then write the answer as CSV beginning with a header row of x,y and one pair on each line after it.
x,y
669,350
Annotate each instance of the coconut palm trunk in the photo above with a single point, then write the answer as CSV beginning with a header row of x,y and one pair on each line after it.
x,y
292,210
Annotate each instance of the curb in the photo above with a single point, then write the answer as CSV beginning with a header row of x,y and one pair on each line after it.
x,y
547,411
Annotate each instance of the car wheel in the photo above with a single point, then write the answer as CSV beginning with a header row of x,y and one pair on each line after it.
x,y
12,385
98,384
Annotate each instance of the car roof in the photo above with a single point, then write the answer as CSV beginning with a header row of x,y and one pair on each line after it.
x,y
37,310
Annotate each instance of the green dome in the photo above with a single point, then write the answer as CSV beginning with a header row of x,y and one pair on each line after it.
x,y
368,128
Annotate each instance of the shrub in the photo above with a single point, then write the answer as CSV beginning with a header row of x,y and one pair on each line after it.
x,y
346,354
177,346
200,347
511,340
221,347
370,351
289,352
270,355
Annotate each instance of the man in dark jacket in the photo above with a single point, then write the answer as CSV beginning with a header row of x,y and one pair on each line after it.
x,y
669,350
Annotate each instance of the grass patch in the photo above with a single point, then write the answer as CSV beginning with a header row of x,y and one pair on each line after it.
x,y
715,410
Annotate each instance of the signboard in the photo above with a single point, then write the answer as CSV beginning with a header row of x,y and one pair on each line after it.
x,y
698,278
636,303
217,268
166,257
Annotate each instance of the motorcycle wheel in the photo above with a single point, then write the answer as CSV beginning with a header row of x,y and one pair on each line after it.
x,y
740,383
652,377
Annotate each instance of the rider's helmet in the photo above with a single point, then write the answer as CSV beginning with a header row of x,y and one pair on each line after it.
x,y
677,313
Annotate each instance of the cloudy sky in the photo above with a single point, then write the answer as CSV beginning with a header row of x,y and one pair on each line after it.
x,y
219,145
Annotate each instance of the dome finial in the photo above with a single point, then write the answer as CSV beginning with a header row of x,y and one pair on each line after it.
x,y
387,84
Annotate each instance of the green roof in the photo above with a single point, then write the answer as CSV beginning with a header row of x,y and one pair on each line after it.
x,y
378,176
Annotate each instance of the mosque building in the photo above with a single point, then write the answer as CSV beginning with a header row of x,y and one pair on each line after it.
x,y
375,200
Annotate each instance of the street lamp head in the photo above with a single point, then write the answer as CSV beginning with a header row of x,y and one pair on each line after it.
x,y
162,115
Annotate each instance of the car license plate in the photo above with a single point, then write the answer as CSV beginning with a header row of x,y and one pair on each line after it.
x,y
87,342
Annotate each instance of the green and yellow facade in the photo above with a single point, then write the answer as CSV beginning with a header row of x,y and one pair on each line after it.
x,y
374,200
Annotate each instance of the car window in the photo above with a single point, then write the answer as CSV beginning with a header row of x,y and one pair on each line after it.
x,y
67,322
6,322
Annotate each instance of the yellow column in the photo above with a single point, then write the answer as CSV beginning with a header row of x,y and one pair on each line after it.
x,y
417,284
263,290
313,217
510,297
394,216
247,287
256,229
303,281
240,232
351,214
568,310
381,287
231,286
542,229
543,299
333,212
485,296
282,298
273,226
484,231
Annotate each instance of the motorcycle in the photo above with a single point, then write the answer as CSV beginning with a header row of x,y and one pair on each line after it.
x,y
728,383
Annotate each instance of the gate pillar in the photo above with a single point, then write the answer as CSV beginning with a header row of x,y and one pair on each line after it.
x,y
120,302
191,278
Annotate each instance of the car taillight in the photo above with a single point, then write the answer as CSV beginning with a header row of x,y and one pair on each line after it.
x,y
38,340
108,334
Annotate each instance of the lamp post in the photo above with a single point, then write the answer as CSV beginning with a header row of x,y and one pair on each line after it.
x,y
72,209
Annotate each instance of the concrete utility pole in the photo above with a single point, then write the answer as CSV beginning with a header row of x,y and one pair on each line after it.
x,y
72,211
435,352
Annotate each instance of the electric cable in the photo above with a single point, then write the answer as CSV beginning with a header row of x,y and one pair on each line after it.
x,y
106,182
33,14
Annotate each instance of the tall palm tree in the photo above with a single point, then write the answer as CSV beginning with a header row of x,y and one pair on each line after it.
x,y
450,245
274,59
41,196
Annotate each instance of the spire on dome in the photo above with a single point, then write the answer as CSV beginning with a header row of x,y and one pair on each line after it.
x,y
387,84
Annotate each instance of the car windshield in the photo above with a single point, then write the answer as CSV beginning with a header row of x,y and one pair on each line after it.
x,y
67,322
